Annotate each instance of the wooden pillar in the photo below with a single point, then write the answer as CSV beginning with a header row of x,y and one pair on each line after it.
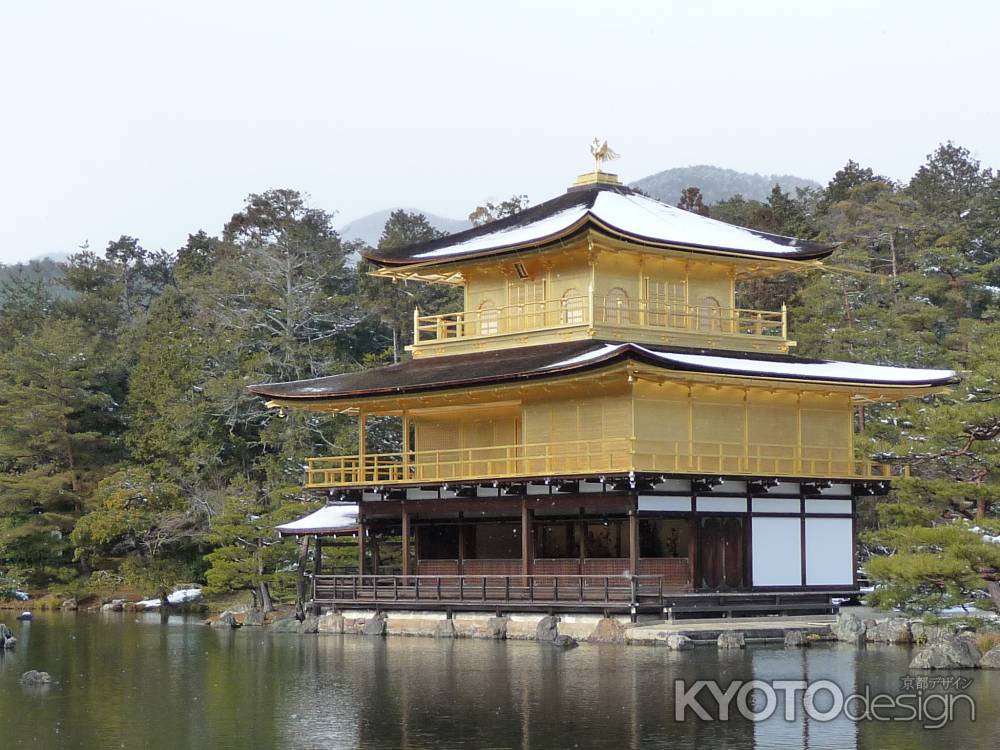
x,y
461,544
300,584
375,553
362,474
581,530
525,538
633,541
361,543
406,542
318,559
406,445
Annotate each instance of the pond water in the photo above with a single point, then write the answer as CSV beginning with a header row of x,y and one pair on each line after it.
x,y
132,681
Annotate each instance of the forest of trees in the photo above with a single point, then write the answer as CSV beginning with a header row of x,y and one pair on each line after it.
x,y
132,455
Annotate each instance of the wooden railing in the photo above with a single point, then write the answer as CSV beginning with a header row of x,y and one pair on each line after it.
x,y
607,310
488,589
591,457
525,459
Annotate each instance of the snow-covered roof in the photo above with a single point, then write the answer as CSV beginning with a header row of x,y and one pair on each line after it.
x,y
531,362
611,209
803,369
339,518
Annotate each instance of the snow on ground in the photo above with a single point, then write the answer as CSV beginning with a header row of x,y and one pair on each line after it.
x,y
181,596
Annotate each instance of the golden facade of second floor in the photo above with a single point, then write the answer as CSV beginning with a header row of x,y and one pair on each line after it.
x,y
614,425
591,290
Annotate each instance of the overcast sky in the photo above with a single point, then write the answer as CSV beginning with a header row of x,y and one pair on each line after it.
x,y
157,120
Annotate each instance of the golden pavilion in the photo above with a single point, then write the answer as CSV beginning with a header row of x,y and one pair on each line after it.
x,y
600,427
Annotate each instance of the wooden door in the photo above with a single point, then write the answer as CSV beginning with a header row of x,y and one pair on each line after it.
x,y
721,553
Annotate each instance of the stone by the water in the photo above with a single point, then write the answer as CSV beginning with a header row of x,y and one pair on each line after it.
x,y
678,642
254,618
33,677
286,625
796,639
496,628
928,633
991,659
608,630
955,652
547,629
69,605
849,629
564,641
731,640
4,632
309,625
226,621
890,630
9,643
375,626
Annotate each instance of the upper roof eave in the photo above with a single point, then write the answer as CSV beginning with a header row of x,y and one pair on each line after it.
x,y
552,360
585,202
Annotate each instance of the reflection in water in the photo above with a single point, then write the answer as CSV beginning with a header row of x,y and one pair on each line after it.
x,y
136,683
834,663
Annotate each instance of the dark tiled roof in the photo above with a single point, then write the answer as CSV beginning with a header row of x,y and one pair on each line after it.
x,y
582,199
533,362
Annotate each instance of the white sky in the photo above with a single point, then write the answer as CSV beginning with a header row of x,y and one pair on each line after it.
x,y
156,120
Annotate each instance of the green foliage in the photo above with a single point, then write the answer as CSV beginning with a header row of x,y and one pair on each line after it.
x,y
930,568
491,211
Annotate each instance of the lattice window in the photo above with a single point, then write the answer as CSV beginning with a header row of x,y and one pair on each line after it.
x,y
709,315
526,300
616,308
571,307
489,318
665,303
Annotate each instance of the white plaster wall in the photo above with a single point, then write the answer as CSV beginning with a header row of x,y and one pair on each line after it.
x,y
829,552
777,551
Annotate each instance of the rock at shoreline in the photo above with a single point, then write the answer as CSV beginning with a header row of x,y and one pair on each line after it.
x,y
9,643
564,641
69,605
254,618
115,605
891,630
796,639
375,626
226,621
33,678
608,630
991,659
955,652
5,632
286,625
310,625
731,640
677,642
496,628
848,629
928,633
547,629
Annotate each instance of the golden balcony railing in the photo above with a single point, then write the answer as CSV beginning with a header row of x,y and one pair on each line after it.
x,y
591,457
605,310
